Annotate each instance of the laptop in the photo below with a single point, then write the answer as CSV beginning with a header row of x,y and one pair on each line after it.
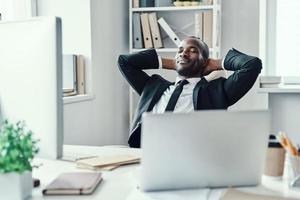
x,y
203,149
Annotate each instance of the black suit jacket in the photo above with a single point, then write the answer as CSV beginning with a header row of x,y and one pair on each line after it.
x,y
217,94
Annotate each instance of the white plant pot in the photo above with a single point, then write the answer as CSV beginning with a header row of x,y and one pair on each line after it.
x,y
15,186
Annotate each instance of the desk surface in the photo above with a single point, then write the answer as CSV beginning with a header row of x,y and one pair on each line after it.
x,y
121,183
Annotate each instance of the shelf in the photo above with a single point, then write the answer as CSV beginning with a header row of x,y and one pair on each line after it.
x,y
78,98
173,8
163,50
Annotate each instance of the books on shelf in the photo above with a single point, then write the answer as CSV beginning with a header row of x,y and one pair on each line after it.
x,y
73,75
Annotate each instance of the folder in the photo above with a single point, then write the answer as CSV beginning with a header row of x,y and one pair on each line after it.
x,y
135,3
105,161
169,31
146,30
80,74
147,3
155,32
163,3
207,28
199,25
137,32
69,73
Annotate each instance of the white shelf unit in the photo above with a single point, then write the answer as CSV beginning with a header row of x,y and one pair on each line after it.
x,y
180,19
182,11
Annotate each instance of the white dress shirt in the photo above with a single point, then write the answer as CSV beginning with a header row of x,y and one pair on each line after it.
x,y
185,101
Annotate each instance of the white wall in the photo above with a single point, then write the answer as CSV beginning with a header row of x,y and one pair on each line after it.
x,y
104,120
98,30
240,29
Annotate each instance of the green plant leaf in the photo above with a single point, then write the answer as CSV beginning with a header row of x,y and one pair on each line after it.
x,y
17,147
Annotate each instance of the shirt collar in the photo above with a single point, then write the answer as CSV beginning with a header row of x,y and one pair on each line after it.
x,y
190,80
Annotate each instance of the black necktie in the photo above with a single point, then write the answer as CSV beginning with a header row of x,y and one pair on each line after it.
x,y
175,95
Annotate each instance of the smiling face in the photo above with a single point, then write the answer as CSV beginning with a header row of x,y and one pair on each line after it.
x,y
191,58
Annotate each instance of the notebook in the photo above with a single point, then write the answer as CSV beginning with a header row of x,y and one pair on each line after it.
x,y
76,183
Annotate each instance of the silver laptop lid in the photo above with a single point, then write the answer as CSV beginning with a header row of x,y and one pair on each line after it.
x,y
203,149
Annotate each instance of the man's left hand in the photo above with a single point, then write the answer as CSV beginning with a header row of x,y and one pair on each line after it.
x,y
212,65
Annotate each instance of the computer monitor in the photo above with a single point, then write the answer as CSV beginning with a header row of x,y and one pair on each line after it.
x,y
31,79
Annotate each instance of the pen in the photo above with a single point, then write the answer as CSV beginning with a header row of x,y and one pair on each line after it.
x,y
287,144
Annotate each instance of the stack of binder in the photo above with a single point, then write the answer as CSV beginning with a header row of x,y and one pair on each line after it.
x,y
146,32
73,75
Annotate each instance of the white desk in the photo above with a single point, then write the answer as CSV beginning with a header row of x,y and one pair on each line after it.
x,y
121,183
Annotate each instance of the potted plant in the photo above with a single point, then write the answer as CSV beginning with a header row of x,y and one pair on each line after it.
x,y
17,149
178,2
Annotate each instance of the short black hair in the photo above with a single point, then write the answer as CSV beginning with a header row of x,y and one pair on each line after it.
x,y
201,45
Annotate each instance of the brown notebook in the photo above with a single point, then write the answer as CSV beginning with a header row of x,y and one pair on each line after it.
x,y
75,183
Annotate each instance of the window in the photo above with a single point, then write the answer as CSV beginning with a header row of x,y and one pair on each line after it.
x,y
288,38
17,9
280,39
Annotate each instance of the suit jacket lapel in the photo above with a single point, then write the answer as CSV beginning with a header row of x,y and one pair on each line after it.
x,y
196,92
158,93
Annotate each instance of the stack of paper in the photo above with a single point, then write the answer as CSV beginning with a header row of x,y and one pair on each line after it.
x,y
107,162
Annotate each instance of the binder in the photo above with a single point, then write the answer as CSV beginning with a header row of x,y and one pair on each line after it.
x,y
146,30
207,28
169,31
146,3
135,3
80,74
155,32
199,25
137,32
69,73
163,3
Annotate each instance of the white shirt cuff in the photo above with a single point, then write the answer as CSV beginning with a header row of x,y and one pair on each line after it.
x,y
223,64
159,62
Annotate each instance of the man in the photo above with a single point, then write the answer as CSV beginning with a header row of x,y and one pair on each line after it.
x,y
192,89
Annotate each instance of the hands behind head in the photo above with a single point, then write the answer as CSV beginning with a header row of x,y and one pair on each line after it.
x,y
211,65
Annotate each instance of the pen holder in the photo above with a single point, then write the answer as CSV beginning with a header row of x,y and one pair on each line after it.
x,y
274,162
291,167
